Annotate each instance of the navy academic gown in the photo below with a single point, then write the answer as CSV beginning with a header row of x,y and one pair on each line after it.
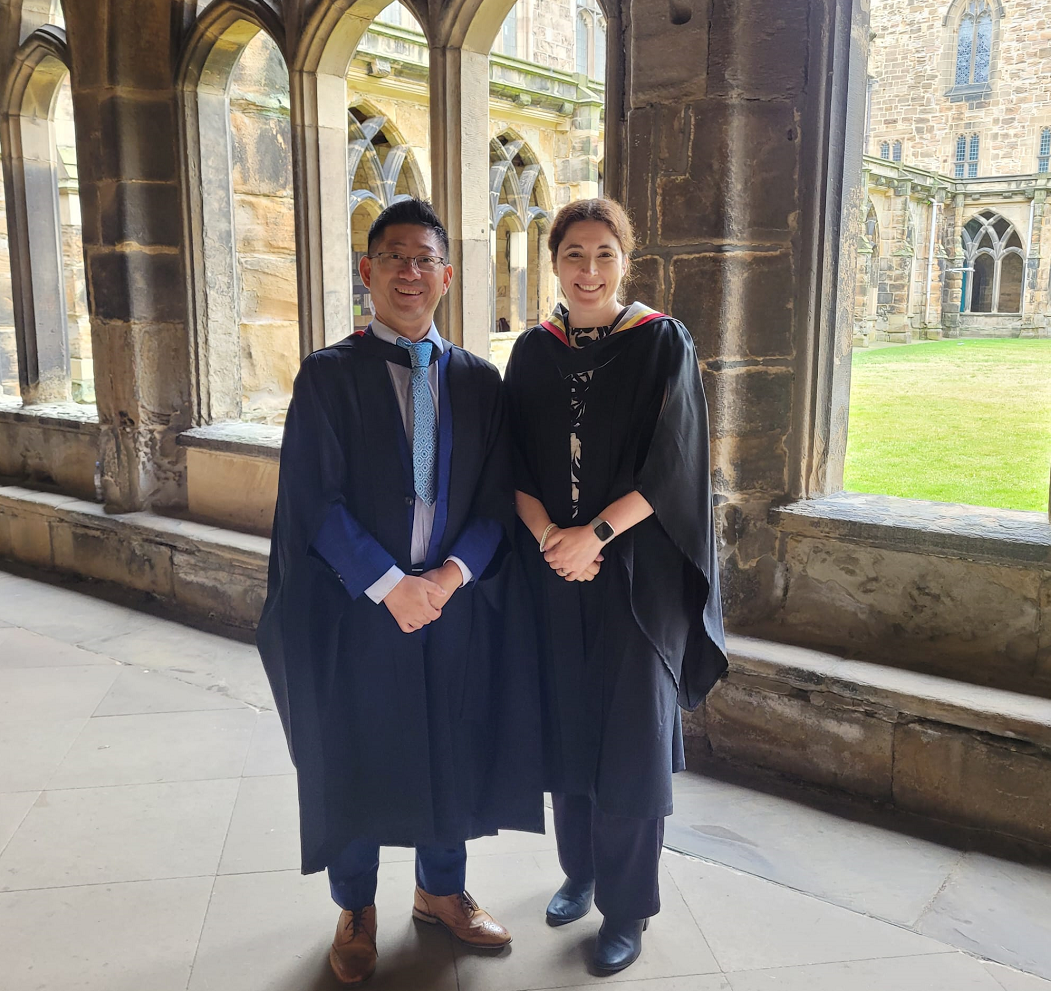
x,y
430,737
620,654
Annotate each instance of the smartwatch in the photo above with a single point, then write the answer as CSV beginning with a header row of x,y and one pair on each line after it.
x,y
602,529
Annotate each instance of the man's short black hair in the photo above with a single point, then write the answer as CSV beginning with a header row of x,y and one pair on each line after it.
x,y
410,211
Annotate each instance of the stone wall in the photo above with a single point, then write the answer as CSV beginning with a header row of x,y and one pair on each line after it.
x,y
913,63
8,348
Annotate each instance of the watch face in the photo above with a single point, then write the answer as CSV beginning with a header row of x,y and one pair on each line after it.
x,y
603,530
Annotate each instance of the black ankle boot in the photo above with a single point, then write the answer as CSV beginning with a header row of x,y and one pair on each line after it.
x,y
619,944
571,902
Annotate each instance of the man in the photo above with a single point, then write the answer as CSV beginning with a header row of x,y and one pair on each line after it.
x,y
410,707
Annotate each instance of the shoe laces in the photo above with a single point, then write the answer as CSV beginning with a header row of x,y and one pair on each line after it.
x,y
470,906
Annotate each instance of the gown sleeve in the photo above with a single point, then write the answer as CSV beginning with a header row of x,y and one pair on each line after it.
x,y
675,478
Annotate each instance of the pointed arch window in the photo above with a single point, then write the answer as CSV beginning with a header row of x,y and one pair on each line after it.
x,y
590,40
897,151
1043,158
995,263
974,44
884,151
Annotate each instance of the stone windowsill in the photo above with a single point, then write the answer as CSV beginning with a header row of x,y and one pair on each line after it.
x,y
946,529
970,92
66,416
249,440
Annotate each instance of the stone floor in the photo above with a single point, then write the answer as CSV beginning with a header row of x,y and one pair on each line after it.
x,y
148,843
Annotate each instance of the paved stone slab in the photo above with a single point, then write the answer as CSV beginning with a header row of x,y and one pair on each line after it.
x,y
752,924
998,909
268,753
517,889
102,937
858,865
1015,980
24,649
202,659
140,690
264,830
160,746
938,972
30,752
272,931
13,809
125,833
52,695
64,614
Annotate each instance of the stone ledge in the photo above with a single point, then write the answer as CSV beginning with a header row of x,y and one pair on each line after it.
x,y
64,416
976,756
972,755
1002,536
253,440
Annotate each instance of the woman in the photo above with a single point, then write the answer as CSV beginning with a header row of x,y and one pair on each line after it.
x,y
611,435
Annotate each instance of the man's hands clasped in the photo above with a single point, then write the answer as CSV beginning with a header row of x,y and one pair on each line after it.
x,y
573,553
416,601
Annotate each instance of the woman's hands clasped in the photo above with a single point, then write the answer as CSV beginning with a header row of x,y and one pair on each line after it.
x,y
574,553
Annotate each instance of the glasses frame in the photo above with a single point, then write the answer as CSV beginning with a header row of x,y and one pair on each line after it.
x,y
385,257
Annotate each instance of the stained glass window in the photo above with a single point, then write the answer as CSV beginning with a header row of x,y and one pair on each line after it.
x,y
974,44
884,151
897,151
1043,161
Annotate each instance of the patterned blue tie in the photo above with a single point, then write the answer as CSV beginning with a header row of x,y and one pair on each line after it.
x,y
424,422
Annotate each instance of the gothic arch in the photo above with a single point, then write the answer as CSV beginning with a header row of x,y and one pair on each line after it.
x,y
209,57
995,257
967,73
40,66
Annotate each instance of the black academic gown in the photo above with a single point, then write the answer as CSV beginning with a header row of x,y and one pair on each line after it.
x,y
423,738
621,653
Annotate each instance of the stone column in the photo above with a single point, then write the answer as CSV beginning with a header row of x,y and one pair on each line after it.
x,y
519,288
742,122
459,94
122,71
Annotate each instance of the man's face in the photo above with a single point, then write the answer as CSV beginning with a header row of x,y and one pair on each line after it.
x,y
405,297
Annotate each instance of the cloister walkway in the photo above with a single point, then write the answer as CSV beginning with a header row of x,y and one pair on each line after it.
x,y
148,843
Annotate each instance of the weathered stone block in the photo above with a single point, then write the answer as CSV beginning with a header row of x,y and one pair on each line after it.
x,y
827,744
669,58
738,304
265,225
262,154
748,400
136,285
268,288
647,281
974,779
103,554
750,464
146,213
25,537
951,616
137,138
212,585
759,49
231,490
743,181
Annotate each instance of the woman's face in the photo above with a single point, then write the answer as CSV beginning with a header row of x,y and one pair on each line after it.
x,y
590,265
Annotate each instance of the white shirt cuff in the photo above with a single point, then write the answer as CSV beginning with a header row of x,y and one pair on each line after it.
x,y
464,570
378,590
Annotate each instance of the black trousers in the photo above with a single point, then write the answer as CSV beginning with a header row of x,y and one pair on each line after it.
x,y
620,854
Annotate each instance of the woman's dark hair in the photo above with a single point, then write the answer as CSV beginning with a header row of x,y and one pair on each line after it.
x,y
410,211
605,211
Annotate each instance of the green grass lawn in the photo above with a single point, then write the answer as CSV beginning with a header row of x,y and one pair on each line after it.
x,y
953,421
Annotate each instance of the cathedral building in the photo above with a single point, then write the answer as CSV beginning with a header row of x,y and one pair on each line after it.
x,y
955,237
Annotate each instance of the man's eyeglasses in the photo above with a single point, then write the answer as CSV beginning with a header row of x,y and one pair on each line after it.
x,y
424,264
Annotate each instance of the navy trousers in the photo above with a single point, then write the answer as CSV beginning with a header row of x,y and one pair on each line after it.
x,y
621,855
352,876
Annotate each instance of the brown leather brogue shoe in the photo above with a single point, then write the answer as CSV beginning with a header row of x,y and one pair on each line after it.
x,y
461,915
353,954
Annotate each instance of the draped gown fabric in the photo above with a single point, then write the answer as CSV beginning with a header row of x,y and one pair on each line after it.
x,y
428,738
620,654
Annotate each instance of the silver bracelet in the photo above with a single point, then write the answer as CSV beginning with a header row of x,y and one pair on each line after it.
x,y
543,539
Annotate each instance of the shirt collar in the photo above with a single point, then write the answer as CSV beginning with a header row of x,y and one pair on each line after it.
x,y
385,333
